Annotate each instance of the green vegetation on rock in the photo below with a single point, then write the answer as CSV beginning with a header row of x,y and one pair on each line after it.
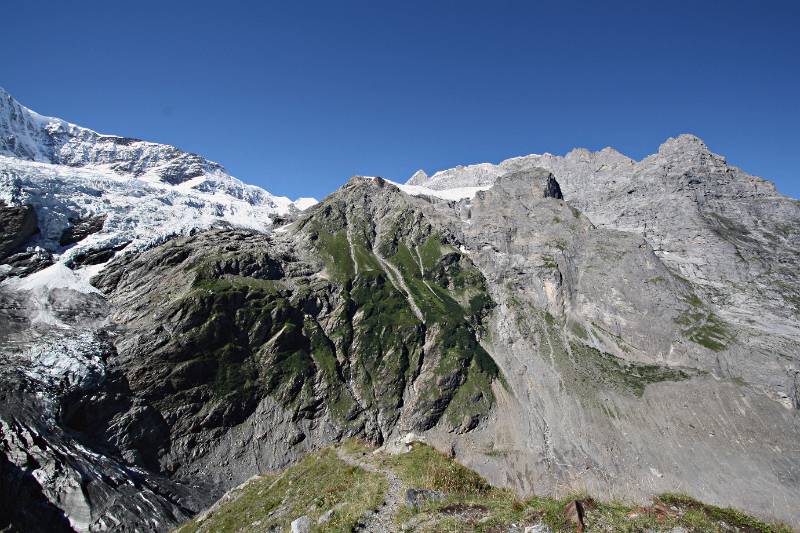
x,y
318,483
437,284
336,246
599,368
729,229
377,330
585,369
703,327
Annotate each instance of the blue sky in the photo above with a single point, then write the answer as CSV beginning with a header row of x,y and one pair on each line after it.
x,y
298,96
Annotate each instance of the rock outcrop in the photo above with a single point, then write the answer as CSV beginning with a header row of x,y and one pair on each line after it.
x,y
81,228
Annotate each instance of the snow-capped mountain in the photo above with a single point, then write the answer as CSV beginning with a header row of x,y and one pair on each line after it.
x,y
134,193
25,134
538,323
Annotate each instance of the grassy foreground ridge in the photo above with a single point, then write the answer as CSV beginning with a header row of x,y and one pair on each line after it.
x,y
335,494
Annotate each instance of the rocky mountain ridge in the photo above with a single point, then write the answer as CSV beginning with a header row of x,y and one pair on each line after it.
x,y
549,335
729,233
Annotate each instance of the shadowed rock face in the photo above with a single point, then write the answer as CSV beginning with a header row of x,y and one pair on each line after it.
x,y
62,469
550,352
523,185
81,228
17,225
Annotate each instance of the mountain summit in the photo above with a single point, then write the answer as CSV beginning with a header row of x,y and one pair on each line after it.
x,y
726,231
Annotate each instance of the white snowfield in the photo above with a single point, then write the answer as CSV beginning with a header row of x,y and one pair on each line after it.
x,y
305,202
452,194
27,135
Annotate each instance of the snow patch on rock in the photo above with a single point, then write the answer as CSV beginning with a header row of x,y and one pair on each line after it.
x,y
304,203
70,362
454,194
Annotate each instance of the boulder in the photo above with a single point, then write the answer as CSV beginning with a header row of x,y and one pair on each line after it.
x,y
301,525
538,528
416,498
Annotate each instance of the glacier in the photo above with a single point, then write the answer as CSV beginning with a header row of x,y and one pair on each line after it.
x,y
146,192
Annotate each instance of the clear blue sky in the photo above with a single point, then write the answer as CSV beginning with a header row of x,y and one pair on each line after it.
x,y
298,96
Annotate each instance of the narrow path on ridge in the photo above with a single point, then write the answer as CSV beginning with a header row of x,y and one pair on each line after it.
x,y
382,520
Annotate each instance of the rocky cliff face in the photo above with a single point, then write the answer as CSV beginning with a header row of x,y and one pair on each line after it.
x,y
621,338
730,234
623,378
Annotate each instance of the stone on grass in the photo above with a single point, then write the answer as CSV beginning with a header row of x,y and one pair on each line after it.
x,y
538,528
301,525
415,498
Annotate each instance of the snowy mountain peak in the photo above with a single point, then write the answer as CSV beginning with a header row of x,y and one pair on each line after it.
x,y
418,178
135,193
28,135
